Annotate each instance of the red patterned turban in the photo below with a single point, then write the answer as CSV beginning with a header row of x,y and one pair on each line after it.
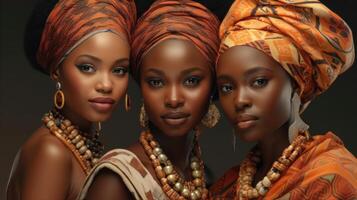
x,y
73,21
183,19
312,43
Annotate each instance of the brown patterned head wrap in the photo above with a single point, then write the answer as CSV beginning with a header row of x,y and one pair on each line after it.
x,y
312,43
73,21
183,19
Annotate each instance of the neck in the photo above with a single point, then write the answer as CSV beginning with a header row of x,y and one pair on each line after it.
x,y
177,149
81,123
272,146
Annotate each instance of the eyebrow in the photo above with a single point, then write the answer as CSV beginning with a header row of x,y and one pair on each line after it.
x,y
256,70
153,70
246,74
99,60
187,71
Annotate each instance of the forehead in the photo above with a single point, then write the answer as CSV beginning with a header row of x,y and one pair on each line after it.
x,y
102,43
174,55
241,59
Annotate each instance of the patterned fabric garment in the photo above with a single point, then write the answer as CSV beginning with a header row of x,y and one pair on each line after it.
x,y
73,21
182,19
312,43
135,176
325,170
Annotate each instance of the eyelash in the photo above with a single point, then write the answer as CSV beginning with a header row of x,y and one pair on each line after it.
x,y
121,71
260,82
86,68
192,81
155,83
226,88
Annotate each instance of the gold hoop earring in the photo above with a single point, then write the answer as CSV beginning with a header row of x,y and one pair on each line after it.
x,y
143,118
212,116
127,104
59,97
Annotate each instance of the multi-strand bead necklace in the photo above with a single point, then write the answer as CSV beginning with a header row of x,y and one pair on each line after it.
x,y
248,168
86,148
174,186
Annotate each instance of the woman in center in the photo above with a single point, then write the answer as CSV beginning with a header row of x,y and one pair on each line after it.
x,y
173,53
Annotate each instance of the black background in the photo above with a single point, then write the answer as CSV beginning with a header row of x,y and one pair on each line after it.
x,y
26,94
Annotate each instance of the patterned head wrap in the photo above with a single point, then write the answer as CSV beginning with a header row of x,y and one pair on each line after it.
x,y
183,19
312,43
73,21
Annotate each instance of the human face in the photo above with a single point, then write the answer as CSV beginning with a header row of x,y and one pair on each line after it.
x,y
255,92
94,77
176,83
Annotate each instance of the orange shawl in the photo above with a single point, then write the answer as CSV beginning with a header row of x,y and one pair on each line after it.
x,y
325,170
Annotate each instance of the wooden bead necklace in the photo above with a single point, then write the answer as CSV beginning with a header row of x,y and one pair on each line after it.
x,y
248,169
86,148
175,187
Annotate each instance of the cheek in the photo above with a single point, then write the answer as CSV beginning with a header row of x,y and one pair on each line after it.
x,y
120,87
228,106
277,105
75,86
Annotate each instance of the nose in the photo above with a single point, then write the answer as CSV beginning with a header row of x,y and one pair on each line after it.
x,y
173,97
104,84
242,100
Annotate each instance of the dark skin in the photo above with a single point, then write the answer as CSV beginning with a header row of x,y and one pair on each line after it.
x,y
255,94
45,168
176,83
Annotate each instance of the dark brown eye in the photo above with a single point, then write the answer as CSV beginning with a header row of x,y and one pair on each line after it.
x,y
192,81
260,82
87,68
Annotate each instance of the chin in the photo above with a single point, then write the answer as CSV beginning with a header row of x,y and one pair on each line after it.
x,y
175,131
248,136
100,117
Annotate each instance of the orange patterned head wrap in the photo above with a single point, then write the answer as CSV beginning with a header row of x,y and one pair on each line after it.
x,y
183,19
73,21
312,43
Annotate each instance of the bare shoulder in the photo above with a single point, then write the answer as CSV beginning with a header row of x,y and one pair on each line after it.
x,y
43,157
108,185
44,147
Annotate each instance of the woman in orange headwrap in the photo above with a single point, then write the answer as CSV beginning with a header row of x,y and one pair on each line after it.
x,y
174,47
84,47
275,57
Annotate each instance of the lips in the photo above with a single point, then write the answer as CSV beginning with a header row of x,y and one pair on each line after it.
x,y
175,118
102,104
246,121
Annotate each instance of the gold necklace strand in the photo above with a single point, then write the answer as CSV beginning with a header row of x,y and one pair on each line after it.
x,y
248,169
175,187
87,150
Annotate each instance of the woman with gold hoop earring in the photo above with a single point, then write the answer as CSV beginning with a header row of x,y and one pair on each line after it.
x,y
88,58
275,58
173,62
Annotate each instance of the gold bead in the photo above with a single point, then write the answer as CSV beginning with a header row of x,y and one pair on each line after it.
x,y
50,123
196,173
185,192
162,158
79,144
193,196
266,182
157,151
152,157
77,139
171,179
66,122
198,193
83,149
88,154
168,169
195,165
178,186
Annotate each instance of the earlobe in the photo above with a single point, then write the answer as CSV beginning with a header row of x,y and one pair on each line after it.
x,y
55,74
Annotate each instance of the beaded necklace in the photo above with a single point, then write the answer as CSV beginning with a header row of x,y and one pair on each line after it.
x,y
248,168
86,148
175,187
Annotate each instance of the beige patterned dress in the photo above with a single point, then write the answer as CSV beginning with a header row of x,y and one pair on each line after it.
x,y
136,177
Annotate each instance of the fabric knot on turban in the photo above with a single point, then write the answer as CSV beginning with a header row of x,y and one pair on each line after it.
x,y
312,43
73,21
183,19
